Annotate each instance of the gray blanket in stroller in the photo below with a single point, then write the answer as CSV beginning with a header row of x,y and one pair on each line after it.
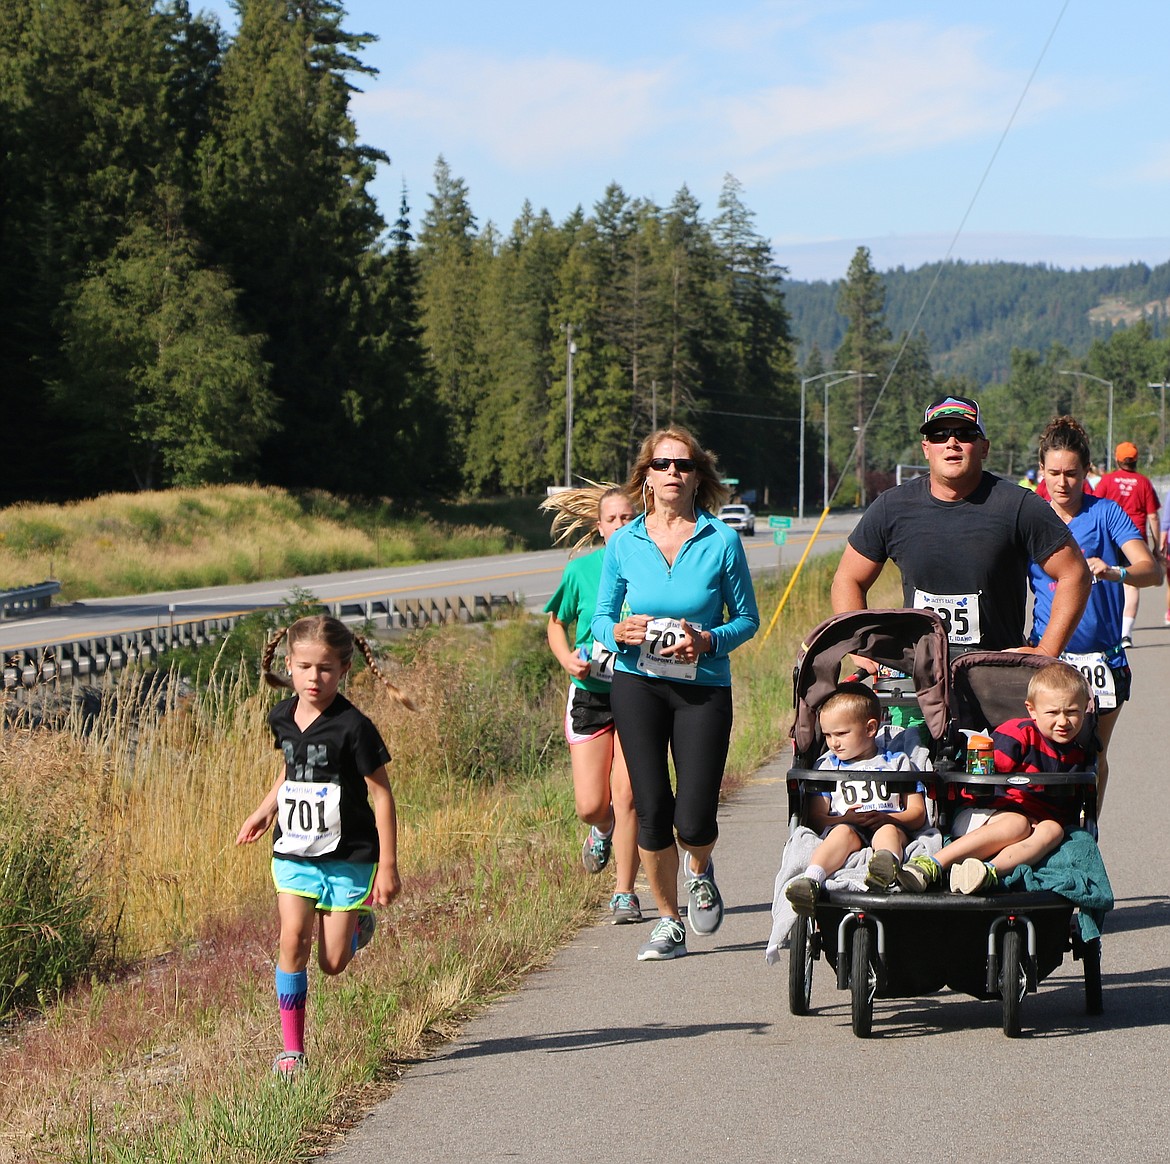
x,y
1075,871
794,861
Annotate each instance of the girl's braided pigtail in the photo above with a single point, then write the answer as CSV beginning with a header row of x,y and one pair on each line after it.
x,y
272,678
395,691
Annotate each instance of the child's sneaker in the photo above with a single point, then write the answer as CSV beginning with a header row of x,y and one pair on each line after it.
x,y
289,1065
625,908
882,871
364,933
668,940
973,876
595,851
919,873
803,893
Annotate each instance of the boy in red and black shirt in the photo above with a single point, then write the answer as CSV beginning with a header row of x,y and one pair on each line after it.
x,y
1020,824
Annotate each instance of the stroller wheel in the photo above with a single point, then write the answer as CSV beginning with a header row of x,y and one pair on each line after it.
x,y
800,966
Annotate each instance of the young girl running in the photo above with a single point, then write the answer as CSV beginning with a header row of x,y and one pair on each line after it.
x,y
334,855
601,782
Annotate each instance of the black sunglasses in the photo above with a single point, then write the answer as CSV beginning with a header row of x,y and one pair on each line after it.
x,y
682,464
965,436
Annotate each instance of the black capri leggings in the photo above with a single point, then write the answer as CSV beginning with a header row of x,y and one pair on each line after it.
x,y
693,721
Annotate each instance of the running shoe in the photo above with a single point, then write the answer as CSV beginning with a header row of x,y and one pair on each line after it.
x,y
882,871
803,893
974,876
363,935
595,851
289,1065
704,901
1168,618
1126,642
668,939
919,873
625,908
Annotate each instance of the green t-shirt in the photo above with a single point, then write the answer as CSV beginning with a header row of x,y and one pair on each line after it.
x,y
574,601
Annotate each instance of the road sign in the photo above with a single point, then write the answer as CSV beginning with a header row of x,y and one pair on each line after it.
x,y
779,536
779,522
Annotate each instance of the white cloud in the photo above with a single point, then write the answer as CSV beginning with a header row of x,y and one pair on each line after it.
x,y
884,90
1155,169
526,113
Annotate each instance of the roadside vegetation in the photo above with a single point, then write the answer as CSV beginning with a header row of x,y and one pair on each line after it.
x,y
146,1022
179,539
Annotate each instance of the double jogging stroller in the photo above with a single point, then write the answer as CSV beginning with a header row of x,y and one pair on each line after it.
x,y
896,944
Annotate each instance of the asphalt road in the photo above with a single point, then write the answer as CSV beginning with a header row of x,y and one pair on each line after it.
x,y
533,575
603,1058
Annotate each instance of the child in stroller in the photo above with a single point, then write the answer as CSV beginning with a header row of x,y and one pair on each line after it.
x,y
857,812
1015,826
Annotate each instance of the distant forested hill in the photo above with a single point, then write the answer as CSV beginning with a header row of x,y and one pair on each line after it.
x,y
978,312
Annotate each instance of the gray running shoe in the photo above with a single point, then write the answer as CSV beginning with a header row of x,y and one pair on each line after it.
x,y
625,908
803,893
595,851
704,902
882,871
668,940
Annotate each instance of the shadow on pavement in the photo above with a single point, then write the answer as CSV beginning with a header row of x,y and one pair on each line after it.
x,y
598,1037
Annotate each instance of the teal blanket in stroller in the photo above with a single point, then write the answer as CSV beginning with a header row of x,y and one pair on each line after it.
x,y
1075,871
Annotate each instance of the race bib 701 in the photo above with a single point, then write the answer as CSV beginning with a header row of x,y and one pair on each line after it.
x,y
310,818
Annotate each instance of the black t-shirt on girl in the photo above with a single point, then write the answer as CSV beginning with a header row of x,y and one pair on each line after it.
x,y
324,810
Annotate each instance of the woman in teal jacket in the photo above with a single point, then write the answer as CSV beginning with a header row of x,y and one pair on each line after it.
x,y
684,575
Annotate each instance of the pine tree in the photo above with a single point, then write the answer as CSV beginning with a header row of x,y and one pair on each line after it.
x,y
284,205
173,391
450,272
865,347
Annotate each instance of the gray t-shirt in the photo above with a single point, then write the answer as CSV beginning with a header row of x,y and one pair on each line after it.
x,y
966,560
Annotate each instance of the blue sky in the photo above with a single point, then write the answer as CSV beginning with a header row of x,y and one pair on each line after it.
x,y
848,122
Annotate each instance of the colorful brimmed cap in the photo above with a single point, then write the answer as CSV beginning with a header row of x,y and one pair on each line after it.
x,y
952,408
1126,451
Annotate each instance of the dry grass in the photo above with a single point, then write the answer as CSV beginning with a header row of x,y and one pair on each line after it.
x,y
170,1061
137,543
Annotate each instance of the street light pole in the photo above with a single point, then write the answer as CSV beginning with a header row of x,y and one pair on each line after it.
x,y
803,385
572,351
825,462
1109,436
1161,415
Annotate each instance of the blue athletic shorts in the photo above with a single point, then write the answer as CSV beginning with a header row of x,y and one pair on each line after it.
x,y
332,885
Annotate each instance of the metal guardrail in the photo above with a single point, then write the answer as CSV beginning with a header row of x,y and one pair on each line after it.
x,y
82,660
27,600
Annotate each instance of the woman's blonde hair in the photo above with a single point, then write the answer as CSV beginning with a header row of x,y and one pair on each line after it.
x,y
577,511
334,634
710,493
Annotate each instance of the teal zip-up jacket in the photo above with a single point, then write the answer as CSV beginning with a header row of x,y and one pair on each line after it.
x,y
710,573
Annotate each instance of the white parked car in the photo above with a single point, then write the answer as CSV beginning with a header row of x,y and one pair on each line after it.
x,y
739,517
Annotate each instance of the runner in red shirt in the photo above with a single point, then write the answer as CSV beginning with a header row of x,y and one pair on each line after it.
x,y
1135,494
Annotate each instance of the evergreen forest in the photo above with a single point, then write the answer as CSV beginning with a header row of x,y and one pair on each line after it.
x,y
197,286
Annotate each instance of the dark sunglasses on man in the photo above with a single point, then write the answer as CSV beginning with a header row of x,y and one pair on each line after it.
x,y
965,436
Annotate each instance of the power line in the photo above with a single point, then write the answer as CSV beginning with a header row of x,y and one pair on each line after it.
x,y
954,240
